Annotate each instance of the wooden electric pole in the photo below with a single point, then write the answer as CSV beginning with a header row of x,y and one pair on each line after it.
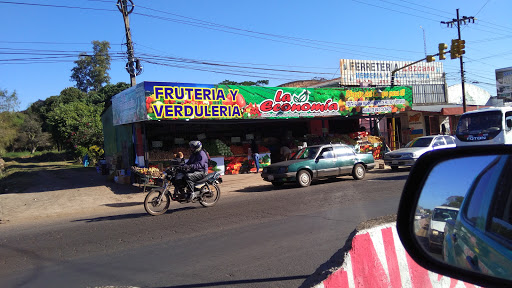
x,y
133,66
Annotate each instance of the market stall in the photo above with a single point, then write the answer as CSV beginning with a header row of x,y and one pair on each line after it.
x,y
226,118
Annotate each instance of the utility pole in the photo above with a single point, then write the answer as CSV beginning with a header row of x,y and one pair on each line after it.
x,y
424,41
457,22
133,66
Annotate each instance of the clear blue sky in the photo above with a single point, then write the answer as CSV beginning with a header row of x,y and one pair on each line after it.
x,y
451,178
308,36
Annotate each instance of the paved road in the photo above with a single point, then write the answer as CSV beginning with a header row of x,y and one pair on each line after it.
x,y
263,237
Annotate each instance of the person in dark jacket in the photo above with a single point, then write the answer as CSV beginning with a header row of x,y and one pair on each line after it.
x,y
196,166
255,155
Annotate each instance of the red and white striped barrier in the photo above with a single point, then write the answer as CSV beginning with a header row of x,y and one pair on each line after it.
x,y
378,259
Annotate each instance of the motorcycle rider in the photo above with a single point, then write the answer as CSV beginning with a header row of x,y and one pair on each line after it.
x,y
197,166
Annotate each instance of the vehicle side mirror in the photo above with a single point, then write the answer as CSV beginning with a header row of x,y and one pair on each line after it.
x,y
472,185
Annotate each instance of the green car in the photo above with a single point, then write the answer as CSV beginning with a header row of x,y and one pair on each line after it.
x,y
480,238
319,161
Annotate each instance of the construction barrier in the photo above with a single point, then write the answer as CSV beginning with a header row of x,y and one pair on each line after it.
x,y
378,259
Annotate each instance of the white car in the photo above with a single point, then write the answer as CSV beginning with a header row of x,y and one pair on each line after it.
x,y
440,215
408,155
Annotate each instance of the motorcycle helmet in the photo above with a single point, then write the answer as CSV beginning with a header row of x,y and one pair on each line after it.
x,y
195,146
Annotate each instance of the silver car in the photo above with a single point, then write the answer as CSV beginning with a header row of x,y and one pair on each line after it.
x,y
408,155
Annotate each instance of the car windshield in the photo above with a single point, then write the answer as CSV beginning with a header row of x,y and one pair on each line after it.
x,y
306,153
444,214
420,142
476,123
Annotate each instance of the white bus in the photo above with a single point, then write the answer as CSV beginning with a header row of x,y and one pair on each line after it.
x,y
484,127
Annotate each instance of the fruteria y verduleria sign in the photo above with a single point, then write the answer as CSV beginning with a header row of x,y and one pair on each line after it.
x,y
182,101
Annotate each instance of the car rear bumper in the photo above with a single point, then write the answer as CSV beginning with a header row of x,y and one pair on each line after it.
x,y
436,239
284,177
370,166
400,162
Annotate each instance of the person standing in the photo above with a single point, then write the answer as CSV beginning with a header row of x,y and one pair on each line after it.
x,y
285,153
255,155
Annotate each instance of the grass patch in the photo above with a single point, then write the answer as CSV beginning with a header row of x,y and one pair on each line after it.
x,y
22,172
39,156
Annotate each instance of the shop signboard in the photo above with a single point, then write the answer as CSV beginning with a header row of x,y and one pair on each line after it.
x,y
416,124
128,106
172,101
378,72
504,82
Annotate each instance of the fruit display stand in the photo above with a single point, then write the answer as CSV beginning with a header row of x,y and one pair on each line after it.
x,y
243,163
146,176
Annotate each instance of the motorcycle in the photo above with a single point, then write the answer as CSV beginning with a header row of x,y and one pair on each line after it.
x,y
157,201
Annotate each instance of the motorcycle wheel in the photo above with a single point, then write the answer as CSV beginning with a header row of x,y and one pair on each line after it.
x,y
210,197
155,207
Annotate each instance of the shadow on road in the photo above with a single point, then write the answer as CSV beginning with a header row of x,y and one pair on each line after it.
x,y
392,178
266,186
129,216
125,204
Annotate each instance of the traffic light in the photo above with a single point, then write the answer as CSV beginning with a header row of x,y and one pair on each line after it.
x,y
460,48
442,46
454,49
431,58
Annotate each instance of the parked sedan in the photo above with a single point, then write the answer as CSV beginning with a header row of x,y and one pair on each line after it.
x,y
408,155
319,161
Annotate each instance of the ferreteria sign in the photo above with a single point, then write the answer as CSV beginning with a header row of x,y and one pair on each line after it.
x,y
378,72
174,101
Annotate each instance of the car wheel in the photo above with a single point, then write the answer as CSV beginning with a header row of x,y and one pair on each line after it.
x,y
304,178
358,172
394,168
277,184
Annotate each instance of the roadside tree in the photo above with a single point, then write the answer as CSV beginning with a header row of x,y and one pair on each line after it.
x,y
91,71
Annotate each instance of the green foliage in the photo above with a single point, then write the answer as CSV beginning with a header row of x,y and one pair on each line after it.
x,y
31,136
77,124
95,154
71,94
8,102
91,71
80,153
105,93
455,201
9,124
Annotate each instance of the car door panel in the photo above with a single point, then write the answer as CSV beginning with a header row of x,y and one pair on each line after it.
x,y
326,163
345,160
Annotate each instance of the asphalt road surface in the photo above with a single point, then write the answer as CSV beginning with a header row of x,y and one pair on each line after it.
x,y
262,237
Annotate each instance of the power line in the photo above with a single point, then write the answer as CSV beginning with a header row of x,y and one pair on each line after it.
x,y
54,6
482,7
423,11
314,41
446,12
386,8
210,25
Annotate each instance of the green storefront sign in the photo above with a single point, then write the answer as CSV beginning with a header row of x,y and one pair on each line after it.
x,y
199,101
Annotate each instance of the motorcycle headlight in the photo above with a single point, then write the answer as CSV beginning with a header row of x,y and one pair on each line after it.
x,y
435,232
282,170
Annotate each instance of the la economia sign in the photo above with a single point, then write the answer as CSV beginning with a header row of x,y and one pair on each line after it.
x,y
174,101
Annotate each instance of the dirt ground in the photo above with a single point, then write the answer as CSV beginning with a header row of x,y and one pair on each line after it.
x,y
52,195
66,192
62,194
